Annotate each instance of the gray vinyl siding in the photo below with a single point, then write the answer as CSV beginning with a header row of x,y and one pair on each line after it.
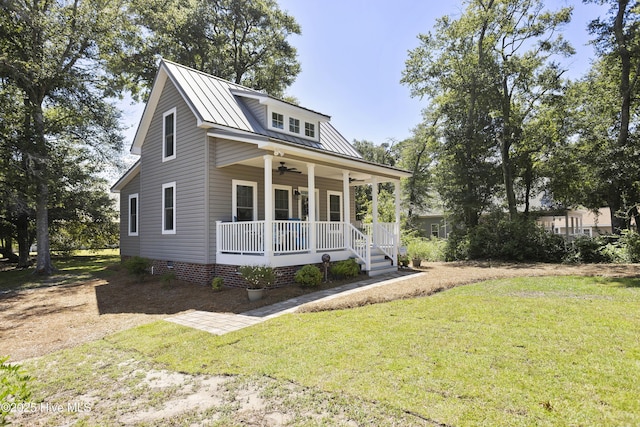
x,y
258,110
187,170
229,152
221,188
129,245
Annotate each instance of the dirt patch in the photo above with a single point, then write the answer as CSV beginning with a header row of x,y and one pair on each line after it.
x,y
39,321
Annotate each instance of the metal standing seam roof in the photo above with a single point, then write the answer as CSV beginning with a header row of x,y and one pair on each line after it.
x,y
213,102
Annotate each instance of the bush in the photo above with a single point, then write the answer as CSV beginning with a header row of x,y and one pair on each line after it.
x,y
497,237
308,276
592,249
630,241
345,269
138,266
258,276
426,249
217,283
13,388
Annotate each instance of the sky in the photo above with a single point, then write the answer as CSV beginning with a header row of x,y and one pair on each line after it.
x,y
352,53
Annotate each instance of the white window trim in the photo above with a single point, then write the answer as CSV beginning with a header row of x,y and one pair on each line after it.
x,y
234,197
301,189
130,233
164,137
289,189
334,193
302,119
437,230
175,221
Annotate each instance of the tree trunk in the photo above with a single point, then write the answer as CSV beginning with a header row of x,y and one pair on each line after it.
x,y
44,266
22,226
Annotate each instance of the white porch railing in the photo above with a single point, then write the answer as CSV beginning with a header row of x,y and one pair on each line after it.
x,y
240,237
360,246
294,237
329,236
386,240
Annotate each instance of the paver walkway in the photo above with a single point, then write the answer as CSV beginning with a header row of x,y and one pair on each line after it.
x,y
221,323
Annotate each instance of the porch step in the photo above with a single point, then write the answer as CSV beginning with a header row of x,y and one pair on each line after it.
x,y
379,264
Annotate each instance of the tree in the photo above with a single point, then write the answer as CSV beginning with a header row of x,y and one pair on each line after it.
x,y
52,53
618,44
382,154
487,71
244,41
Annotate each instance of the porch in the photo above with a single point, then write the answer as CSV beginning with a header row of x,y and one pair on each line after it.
x,y
294,204
293,242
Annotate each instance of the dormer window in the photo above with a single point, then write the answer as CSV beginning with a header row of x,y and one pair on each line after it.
x,y
309,130
294,125
277,120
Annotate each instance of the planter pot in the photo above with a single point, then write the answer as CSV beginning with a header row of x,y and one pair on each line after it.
x,y
255,294
416,262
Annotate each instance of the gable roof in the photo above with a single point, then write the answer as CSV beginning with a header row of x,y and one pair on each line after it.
x,y
218,103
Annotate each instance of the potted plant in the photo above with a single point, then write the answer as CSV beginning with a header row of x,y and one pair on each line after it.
x,y
258,277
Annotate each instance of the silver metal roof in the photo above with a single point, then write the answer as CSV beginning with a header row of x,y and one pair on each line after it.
x,y
213,101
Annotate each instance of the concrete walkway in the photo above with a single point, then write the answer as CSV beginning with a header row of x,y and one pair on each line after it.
x,y
221,323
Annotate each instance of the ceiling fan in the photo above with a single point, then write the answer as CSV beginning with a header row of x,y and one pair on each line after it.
x,y
282,169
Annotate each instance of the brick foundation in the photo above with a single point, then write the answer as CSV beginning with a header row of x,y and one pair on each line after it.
x,y
202,274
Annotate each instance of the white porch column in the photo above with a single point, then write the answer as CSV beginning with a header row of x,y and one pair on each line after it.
x,y
374,208
396,190
268,207
346,203
311,197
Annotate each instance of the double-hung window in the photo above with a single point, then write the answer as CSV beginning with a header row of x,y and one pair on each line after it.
x,y
169,208
169,135
133,214
282,202
334,206
244,200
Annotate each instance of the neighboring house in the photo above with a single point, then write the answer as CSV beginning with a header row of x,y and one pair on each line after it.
x,y
229,176
433,224
576,222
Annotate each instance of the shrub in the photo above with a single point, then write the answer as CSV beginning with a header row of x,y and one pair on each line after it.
x,y
308,276
258,276
595,249
138,266
167,278
497,237
217,283
345,269
13,388
630,241
426,249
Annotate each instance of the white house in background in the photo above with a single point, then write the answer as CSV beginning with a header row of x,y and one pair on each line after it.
x,y
577,222
229,176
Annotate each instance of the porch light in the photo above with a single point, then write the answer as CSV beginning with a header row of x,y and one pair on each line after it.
x,y
296,194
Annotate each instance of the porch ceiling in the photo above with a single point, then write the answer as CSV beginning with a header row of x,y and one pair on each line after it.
x,y
321,170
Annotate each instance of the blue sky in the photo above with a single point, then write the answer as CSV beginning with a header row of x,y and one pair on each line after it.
x,y
352,54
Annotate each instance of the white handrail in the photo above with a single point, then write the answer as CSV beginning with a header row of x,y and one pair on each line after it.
x,y
385,240
360,245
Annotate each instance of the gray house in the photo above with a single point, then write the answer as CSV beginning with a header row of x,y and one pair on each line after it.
x,y
229,176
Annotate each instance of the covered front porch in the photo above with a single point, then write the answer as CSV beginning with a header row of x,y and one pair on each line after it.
x,y
267,236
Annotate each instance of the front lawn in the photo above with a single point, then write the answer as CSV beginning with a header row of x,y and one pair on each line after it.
x,y
70,269
531,351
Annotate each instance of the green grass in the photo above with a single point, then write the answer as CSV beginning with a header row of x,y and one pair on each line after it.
x,y
557,351
536,351
83,266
